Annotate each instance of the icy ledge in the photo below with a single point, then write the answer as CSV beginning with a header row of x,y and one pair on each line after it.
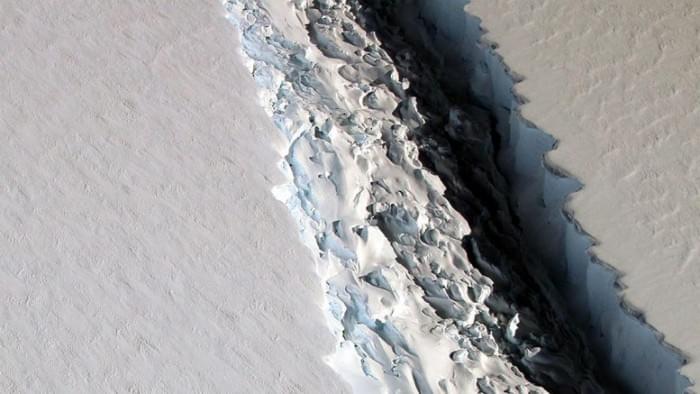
x,y
632,351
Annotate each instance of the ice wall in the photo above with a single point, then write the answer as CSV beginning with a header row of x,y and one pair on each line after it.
x,y
632,351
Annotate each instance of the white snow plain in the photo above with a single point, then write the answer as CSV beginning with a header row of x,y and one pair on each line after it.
x,y
616,84
140,247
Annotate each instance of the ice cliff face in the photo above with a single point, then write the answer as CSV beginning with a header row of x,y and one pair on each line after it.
x,y
394,185
623,343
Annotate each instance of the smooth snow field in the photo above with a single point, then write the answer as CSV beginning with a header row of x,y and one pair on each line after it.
x,y
140,247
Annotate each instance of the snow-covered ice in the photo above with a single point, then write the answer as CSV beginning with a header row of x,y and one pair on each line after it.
x,y
412,311
140,247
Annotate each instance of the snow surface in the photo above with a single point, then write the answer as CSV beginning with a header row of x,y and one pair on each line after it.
x,y
140,247
616,84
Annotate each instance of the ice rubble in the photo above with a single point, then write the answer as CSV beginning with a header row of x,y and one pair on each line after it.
x,y
413,310
631,351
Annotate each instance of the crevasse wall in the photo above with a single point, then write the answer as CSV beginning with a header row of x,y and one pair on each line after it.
x,y
631,351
